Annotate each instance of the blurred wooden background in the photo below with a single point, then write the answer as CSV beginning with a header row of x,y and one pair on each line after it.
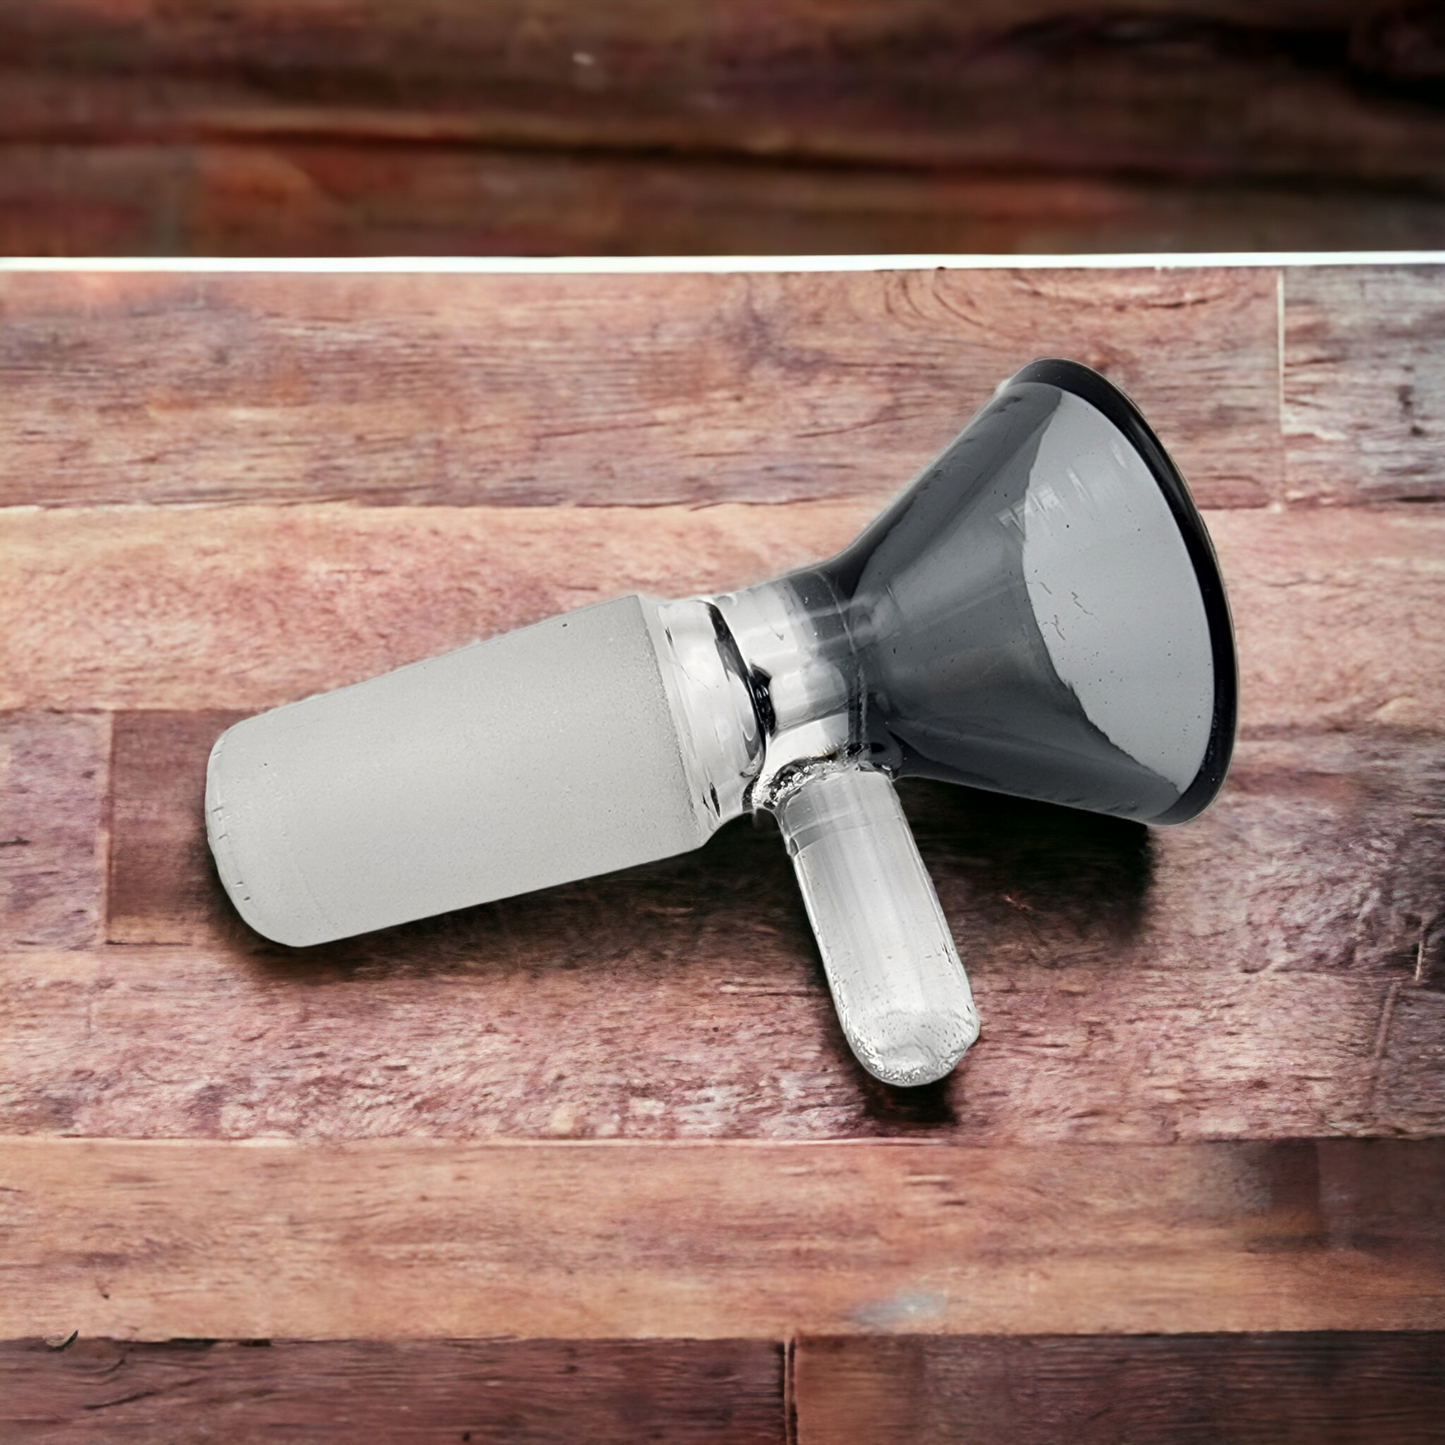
x,y
595,1164
280,127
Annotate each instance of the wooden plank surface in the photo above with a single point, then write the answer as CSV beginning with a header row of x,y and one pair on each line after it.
x,y
597,389
326,197
54,783
1364,383
1337,614
416,1239
1247,1389
355,127
622,1111
531,1392
162,865
412,389
1255,974
1254,1389
1287,89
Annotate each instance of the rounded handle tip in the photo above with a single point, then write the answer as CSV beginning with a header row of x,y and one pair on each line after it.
x,y
909,1047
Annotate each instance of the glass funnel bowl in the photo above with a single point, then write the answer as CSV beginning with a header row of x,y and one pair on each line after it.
x,y
1040,614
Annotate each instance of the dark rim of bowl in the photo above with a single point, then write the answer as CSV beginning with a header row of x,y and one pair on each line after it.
x,y
1101,393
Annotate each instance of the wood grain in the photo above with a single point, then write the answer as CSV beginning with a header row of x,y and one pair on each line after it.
x,y
1247,1389
1256,974
237,608
409,1239
597,389
168,1044
1364,383
161,864
616,1122
54,782
648,127
1334,617
532,1392
373,197
1183,88
1338,615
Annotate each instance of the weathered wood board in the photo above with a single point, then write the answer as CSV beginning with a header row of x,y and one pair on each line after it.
x,y
406,1238
623,389
1248,1389
1363,403
54,795
328,196
1336,613
630,390
1254,975
1007,83
514,1392
650,127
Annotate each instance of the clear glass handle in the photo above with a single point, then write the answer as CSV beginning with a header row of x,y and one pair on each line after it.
x,y
901,993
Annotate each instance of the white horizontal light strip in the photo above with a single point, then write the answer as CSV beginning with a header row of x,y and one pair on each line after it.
x,y
624,265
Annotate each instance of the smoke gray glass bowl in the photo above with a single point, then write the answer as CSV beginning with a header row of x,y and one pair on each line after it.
x,y
1041,612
